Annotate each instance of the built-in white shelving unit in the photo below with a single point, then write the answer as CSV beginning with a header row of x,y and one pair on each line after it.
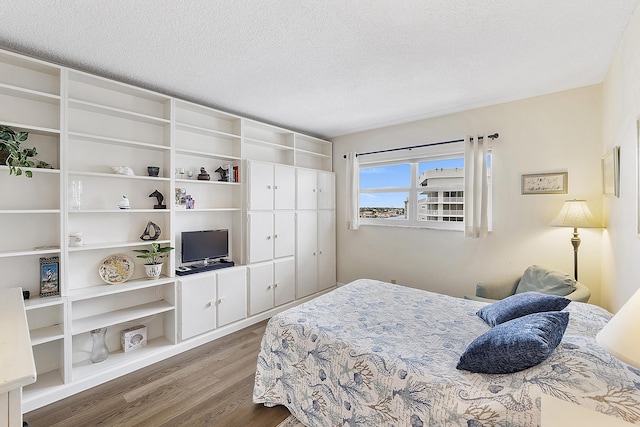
x,y
84,126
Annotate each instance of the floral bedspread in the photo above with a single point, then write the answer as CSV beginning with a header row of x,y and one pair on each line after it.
x,y
375,354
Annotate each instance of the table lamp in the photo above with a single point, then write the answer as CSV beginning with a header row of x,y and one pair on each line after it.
x,y
619,336
576,214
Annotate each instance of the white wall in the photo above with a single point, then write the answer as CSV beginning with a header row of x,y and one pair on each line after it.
x,y
557,132
621,106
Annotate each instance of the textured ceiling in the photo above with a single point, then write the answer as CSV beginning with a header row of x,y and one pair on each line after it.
x,y
328,67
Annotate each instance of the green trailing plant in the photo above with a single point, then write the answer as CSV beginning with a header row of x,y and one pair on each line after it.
x,y
18,157
154,255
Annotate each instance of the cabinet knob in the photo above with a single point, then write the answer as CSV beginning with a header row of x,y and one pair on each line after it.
x,y
314,253
314,190
319,190
211,303
275,187
320,252
268,287
275,236
268,237
269,187
275,285
220,300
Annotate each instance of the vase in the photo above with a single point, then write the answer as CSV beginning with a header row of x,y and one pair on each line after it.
x,y
75,195
99,351
153,270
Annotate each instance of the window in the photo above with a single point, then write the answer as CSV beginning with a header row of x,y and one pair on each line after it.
x,y
427,192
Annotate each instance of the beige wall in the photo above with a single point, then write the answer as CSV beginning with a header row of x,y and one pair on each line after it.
x,y
557,132
621,107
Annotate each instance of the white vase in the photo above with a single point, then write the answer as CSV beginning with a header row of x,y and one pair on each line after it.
x,y
153,270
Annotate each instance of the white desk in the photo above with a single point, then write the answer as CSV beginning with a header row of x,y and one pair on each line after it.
x,y
17,367
560,413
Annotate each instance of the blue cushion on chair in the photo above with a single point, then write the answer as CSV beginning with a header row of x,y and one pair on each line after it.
x,y
515,345
540,279
519,305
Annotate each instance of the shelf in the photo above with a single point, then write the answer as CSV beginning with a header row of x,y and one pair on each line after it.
x,y
119,211
118,358
312,153
268,144
113,245
118,141
116,112
86,324
209,210
206,131
195,181
29,252
29,211
43,384
118,176
205,154
106,289
35,302
32,169
32,95
46,334
31,129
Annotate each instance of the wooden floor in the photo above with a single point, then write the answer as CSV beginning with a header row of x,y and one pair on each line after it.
x,y
210,385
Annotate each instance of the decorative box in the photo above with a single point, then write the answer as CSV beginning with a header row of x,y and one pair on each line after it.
x,y
133,338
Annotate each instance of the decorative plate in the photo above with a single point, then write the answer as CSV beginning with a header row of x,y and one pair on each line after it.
x,y
116,269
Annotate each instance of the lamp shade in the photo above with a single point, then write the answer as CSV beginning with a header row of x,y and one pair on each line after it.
x,y
576,214
620,336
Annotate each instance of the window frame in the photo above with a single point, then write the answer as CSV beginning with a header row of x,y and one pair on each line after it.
x,y
413,190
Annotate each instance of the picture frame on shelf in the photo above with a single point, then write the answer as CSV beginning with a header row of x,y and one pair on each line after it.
x,y
49,276
545,183
611,173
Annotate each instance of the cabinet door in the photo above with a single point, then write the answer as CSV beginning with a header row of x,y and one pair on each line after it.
x,y
260,236
284,188
326,249
260,186
197,305
232,295
284,274
306,253
284,234
326,190
260,287
306,189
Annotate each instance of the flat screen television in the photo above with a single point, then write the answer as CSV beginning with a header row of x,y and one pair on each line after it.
x,y
205,245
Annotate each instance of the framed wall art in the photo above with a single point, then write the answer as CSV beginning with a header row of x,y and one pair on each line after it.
x,y
49,276
611,173
545,183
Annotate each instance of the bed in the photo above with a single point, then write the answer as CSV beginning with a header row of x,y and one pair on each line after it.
x,y
372,353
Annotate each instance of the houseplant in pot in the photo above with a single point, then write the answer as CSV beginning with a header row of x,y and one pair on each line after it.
x,y
16,157
153,258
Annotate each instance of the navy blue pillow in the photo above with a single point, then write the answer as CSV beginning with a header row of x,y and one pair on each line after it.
x,y
515,345
519,305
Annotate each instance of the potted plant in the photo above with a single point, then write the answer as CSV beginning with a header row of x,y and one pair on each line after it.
x,y
153,257
12,155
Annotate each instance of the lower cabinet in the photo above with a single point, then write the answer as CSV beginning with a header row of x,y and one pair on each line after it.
x,y
211,300
315,251
271,284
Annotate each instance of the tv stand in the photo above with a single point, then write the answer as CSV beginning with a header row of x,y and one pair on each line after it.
x,y
202,267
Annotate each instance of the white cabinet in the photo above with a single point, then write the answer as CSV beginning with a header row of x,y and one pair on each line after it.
x,y
271,235
271,186
315,189
271,284
211,300
315,251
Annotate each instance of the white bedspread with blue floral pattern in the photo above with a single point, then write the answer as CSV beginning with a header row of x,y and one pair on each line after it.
x,y
375,354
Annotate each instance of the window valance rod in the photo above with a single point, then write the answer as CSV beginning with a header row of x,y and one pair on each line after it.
x,y
492,137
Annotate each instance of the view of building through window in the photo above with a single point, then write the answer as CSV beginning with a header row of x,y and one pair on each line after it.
x,y
439,186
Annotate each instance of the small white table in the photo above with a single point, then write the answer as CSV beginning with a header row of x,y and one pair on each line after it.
x,y
560,413
17,367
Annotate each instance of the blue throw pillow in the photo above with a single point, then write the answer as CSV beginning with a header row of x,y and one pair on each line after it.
x,y
519,305
515,345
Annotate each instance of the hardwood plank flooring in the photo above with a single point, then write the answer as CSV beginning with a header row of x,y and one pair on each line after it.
x,y
211,385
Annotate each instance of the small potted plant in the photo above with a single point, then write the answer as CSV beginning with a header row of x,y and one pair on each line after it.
x,y
153,257
12,155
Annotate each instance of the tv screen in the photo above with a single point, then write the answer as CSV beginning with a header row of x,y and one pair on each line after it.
x,y
204,245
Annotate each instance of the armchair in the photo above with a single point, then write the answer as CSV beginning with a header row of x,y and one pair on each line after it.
x,y
493,291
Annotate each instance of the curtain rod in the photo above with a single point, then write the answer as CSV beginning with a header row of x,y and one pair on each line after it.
x,y
492,137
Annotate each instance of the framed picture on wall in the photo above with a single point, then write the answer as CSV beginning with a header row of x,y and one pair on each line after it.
x,y
545,183
611,173
49,276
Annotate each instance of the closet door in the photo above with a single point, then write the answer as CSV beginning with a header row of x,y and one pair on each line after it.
x,y
307,253
284,188
284,274
284,234
260,236
260,186
326,249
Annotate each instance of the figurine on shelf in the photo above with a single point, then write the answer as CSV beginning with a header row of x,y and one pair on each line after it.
x,y
124,203
203,176
123,170
158,195
146,235
223,174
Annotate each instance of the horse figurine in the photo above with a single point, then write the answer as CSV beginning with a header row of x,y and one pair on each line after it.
x,y
158,195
